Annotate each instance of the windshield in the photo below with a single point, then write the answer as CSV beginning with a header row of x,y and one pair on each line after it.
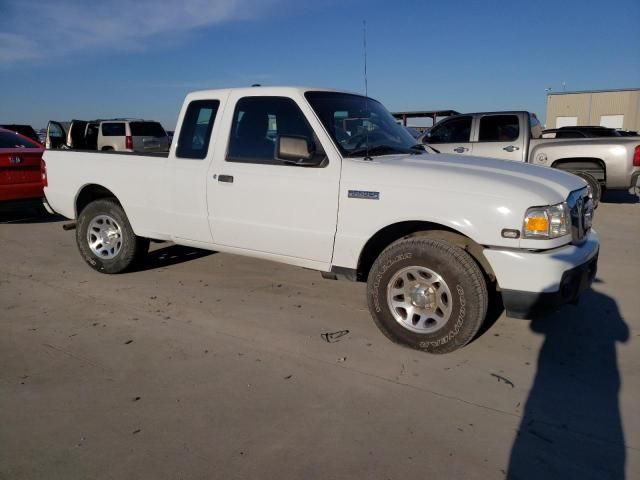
x,y
360,125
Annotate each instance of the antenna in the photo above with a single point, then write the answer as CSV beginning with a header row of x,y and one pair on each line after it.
x,y
366,89
364,44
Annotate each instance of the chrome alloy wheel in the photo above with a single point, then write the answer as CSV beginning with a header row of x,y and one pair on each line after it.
x,y
104,237
419,299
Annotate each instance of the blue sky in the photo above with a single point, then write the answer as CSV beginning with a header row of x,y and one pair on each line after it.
x,y
64,59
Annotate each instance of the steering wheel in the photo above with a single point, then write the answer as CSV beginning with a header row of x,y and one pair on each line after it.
x,y
359,140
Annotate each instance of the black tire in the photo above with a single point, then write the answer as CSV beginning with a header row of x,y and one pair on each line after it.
x,y
462,276
595,189
132,248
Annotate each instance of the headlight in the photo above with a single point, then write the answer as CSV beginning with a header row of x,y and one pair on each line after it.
x,y
547,222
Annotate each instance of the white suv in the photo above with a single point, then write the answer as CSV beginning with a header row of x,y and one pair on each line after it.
x,y
132,136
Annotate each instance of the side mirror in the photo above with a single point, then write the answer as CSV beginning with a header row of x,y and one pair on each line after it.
x,y
296,150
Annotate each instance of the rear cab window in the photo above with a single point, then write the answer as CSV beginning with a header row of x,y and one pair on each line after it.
x,y
535,126
113,129
499,128
195,132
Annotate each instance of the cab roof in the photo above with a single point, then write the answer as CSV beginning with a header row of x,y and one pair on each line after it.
x,y
260,90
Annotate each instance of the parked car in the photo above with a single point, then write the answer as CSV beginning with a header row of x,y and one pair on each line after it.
x,y
126,135
430,234
21,180
26,130
612,163
76,134
132,136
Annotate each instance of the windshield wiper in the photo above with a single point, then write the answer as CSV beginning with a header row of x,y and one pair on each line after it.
x,y
379,150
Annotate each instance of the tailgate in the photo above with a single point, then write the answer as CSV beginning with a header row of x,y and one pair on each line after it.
x,y
20,167
149,143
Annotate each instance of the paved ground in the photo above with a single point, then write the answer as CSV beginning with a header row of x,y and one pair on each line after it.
x,y
214,366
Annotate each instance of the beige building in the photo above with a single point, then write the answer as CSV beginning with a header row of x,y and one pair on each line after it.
x,y
607,108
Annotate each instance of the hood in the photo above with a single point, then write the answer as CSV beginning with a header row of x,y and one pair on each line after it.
x,y
477,197
479,176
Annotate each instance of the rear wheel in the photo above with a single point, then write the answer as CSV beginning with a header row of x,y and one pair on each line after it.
x,y
105,238
427,294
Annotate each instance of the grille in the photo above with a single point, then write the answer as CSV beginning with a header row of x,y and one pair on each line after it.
x,y
581,211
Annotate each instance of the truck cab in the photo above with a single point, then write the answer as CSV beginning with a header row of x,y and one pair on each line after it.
x,y
504,135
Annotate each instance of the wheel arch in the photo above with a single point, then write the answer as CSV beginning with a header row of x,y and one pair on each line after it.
x,y
592,165
90,192
391,233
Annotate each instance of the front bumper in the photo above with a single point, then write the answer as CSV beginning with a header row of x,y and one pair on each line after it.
x,y
521,304
535,283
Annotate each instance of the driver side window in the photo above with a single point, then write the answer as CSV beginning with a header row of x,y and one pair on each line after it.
x,y
257,124
455,130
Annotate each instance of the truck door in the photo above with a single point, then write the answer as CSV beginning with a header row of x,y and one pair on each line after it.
x,y
500,136
56,135
91,135
258,202
76,137
452,135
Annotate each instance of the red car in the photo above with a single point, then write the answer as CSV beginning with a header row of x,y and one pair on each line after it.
x,y
22,175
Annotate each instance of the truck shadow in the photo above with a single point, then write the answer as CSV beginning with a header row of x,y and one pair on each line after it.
x,y
619,196
571,427
28,215
171,255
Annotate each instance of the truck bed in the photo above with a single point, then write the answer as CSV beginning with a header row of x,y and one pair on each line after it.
x,y
112,152
139,180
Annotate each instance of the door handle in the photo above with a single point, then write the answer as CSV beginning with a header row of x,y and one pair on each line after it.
x,y
511,148
225,178
460,149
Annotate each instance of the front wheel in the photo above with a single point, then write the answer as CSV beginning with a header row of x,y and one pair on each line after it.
x,y
427,294
105,238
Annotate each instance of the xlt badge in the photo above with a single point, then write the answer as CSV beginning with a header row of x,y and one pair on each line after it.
x,y
364,194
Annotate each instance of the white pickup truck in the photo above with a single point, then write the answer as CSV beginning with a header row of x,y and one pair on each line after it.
x,y
327,180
